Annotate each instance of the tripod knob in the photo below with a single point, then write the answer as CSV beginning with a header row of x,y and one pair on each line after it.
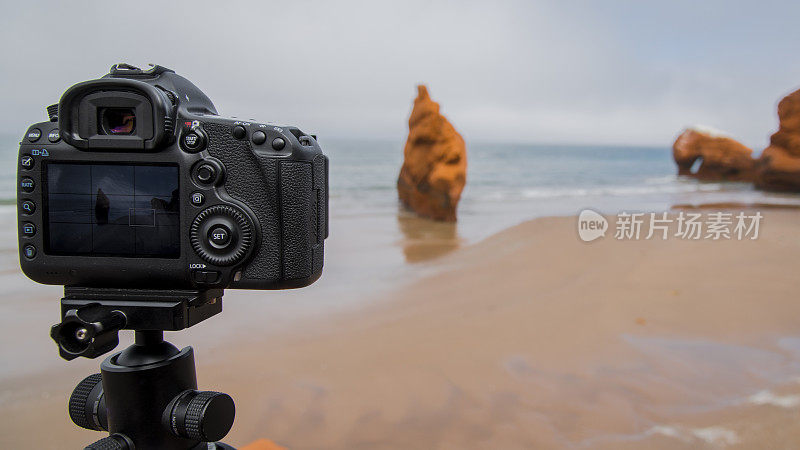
x,y
114,442
87,406
205,416
89,331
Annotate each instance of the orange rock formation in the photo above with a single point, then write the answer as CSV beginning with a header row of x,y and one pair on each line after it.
x,y
722,158
778,168
435,162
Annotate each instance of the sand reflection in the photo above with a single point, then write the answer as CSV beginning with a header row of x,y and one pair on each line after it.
x,y
425,239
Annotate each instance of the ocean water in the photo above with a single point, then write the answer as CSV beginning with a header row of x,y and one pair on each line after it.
x,y
506,183
511,183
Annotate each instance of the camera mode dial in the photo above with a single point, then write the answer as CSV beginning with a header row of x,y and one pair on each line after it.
x,y
221,235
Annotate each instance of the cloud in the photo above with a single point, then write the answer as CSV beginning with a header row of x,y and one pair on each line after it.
x,y
594,72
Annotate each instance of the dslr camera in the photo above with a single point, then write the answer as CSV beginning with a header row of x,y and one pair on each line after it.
x,y
137,182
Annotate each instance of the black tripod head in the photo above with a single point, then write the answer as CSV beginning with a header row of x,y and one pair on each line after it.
x,y
146,395
92,317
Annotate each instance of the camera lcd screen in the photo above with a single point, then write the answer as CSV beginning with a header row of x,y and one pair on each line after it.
x,y
112,210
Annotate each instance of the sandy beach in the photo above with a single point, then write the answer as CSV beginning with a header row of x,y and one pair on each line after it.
x,y
530,338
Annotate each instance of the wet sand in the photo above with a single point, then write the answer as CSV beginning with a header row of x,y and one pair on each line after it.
x,y
530,338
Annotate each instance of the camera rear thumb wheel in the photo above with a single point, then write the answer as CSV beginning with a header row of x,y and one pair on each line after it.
x,y
221,235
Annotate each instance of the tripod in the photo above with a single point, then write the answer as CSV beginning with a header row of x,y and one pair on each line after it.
x,y
145,396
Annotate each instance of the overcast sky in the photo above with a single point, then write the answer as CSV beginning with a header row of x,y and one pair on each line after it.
x,y
616,72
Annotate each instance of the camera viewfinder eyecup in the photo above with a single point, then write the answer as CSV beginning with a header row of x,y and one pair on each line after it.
x,y
80,115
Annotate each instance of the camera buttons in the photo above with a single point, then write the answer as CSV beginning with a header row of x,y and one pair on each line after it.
x,y
206,173
198,198
29,251
26,161
278,144
54,136
27,184
206,276
34,135
28,229
219,236
193,140
28,207
239,132
259,137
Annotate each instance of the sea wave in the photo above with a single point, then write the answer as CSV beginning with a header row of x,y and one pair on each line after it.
x,y
715,436
620,191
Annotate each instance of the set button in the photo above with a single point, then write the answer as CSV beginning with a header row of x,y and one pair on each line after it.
x,y
28,229
26,161
34,135
27,184
219,236
27,207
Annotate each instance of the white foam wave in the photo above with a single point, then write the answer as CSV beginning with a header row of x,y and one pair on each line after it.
x,y
769,398
661,180
716,436
616,191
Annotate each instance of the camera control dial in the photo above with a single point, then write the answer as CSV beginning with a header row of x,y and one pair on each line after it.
x,y
221,235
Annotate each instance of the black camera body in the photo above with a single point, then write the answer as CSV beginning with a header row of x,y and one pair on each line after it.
x,y
136,182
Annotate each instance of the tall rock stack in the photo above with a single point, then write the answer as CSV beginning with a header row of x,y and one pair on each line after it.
x,y
721,158
778,168
434,168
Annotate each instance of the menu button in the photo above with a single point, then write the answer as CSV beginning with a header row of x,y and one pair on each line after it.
x,y
34,134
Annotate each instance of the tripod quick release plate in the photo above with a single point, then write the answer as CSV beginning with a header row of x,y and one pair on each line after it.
x,y
92,317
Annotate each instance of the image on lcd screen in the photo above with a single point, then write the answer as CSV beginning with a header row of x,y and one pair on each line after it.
x,y
113,210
